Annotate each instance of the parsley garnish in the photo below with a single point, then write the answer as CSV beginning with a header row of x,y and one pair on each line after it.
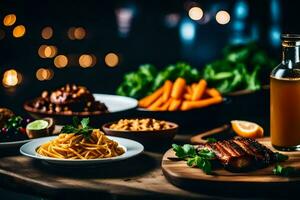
x,y
78,128
14,122
285,171
194,158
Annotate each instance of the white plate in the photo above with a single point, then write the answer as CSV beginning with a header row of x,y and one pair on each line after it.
x,y
116,103
132,148
13,144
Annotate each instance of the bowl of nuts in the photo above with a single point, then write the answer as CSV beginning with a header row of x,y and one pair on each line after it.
x,y
152,133
75,100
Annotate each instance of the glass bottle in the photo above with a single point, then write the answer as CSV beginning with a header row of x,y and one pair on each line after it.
x,y
285,96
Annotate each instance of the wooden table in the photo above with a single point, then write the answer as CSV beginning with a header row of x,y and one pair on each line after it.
x,y
134,178
137,178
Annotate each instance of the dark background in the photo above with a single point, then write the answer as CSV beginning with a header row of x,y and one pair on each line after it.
x,y
151,38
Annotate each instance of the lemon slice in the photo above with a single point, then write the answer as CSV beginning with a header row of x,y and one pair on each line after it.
x,y
37,125
247,129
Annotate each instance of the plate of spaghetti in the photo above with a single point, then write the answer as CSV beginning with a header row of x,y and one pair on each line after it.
x,y
81,146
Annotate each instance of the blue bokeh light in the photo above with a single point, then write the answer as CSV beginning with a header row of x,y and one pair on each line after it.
x,y
187,31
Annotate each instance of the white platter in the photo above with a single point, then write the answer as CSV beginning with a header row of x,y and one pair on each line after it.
x,y
132,148
116,103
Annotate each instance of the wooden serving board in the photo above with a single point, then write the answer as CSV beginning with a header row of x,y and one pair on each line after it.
x,y
181,175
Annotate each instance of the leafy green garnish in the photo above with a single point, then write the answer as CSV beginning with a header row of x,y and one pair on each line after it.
x,y
201,163
14,122
184,151
207,154
285,171
82,128
200,159
211,140
280,157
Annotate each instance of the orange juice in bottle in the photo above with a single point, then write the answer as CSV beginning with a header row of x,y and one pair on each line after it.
x,y
285,96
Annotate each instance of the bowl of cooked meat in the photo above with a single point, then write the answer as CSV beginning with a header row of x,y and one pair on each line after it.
x,y
154,134
75,100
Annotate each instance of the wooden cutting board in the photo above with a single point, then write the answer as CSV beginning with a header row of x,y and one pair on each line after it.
x,y
262,180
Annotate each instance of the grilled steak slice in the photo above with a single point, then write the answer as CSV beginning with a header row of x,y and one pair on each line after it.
x,y
262,155
239,154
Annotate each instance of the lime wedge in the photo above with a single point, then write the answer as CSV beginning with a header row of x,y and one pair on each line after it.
x,y
37,125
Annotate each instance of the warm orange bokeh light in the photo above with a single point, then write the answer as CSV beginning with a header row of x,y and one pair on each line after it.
x,y
111,59
86,60
47,33
79,33
11,78
43,74
19,31
46,51
9,20
61,61
71,33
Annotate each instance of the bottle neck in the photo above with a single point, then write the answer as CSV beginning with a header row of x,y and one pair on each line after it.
x,y
290,55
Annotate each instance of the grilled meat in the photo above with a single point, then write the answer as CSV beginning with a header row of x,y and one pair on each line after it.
x,y
239,154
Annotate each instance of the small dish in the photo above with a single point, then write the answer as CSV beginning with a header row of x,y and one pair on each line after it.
x,y
152,140
42,132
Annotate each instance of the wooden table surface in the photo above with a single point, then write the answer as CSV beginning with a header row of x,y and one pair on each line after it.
x,y
136,178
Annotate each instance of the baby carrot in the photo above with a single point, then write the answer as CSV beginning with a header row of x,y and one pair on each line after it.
x,y
187,96
148,100
194,85
175,105
178,88
199,90
213,92
166,105
156,104
167,90
188,105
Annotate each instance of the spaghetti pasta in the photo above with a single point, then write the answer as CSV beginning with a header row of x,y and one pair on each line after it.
x,y
77,146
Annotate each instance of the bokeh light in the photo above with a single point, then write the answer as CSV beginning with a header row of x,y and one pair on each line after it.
x,y
47,33
11,78
9,20
19,31
76,33
71,33
43,74
111,60
195,13
46,51
222,17
86,60
61,61
79,33
50,51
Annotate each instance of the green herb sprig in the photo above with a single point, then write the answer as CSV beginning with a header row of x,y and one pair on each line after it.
x,y
14,122
285,171
81,127
201,159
